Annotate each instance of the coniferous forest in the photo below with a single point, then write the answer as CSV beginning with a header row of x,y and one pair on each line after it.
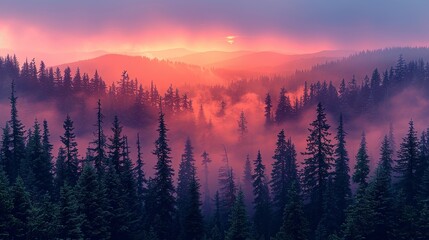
x,y
106,192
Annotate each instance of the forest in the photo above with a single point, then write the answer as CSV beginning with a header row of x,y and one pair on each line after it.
x,y
105,191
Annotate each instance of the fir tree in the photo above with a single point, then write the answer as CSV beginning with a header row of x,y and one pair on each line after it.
x,y
268,106
193,219
71,163
284,173
227,191
91,201
362,165
239,226
242,125
262,205
206,202
70,221
318,163
116,144
60,169
100,142
386,160
139,172
247,185
408,163
6,206
17,143
295,226
6,150
163,184
186,176
341,179
283,107
43,223
21,210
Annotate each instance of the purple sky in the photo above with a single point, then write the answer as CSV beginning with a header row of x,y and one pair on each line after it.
x,y
136,25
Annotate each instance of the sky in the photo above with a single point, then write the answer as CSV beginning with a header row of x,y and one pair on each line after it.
x,y
54,26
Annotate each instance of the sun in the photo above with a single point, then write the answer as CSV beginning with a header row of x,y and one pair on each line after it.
x,y
230,39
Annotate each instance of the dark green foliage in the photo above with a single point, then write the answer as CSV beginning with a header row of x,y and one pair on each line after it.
x,y
227,191
71,162
246,185
40,162
330,222
163,185
99,150
262,203
408,163
284,173
318,162
43,222
6,206
139,173
386,159
295,226
6,150
341,177
116,144
60,169
284,107
193,226
239,226
12,164
91,197
21,211
362,165
69,218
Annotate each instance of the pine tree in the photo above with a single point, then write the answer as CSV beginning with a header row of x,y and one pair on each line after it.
x,y
247,185
268,106
386,160
91,201
60,170
186,176
116,144
206,202
216,231
43,223
139,172
295,226
70,221
242,125
408,163
100,142
6,206
40,163
47,155
227,191
262,205
362,165
163,184
12,164
284,173
21,210
341,179
193,225
239,226
330,222
318,163
6,150
283,107
71,163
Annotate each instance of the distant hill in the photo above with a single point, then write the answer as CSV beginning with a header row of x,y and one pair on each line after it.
x,y
162,72
360,64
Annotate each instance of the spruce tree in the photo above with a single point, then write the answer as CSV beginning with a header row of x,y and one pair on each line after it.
x,y
71,162
330,221
70,221
6,150
386,160
60,170
43,223
284,173
193,226
283,107
268,106
207,200
91,201
99,158
408,163
295,226
247,185
21,210
227,191
262,204
139,172
116,144
362,165
6,206
242,126
163,184
47,153
239,226
12,164
341,179
318,163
